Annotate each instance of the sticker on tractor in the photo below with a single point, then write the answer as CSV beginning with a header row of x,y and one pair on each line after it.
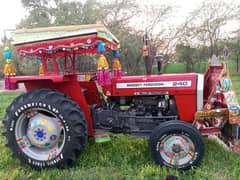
x,y
187,83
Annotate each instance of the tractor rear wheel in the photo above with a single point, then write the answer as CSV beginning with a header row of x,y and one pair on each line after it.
x,y
176,144
45,128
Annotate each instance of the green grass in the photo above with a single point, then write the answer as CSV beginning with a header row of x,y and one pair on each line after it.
x,y
198,67
175,68
122,158
5,100
236,84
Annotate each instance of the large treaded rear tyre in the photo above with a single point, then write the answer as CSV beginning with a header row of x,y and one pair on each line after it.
x,y
176,144
45,128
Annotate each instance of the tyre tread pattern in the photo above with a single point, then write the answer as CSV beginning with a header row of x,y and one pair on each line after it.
x,y
69,108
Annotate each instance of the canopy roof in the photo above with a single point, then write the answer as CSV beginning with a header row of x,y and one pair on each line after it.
x,y
77,38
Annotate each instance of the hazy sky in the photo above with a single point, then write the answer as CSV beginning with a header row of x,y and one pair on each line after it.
x,y
11,11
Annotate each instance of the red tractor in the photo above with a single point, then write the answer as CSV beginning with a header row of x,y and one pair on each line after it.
x,y
49,125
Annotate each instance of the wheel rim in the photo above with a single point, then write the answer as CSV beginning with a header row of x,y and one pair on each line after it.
x,y
40,134
177,150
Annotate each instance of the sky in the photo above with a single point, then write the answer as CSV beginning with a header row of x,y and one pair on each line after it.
x,y
11,11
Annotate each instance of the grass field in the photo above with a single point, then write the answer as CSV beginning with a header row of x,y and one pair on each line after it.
x,y
198,67
122,158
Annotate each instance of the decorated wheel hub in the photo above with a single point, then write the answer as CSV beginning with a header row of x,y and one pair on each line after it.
x,y
40,134
177,150
43,131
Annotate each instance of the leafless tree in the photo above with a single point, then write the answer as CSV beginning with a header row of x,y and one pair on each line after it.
x,y
205,25
153,21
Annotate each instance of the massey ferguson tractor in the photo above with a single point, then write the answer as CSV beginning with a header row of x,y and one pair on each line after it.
x,y
49,125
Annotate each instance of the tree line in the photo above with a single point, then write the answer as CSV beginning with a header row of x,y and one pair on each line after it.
x,y
205,31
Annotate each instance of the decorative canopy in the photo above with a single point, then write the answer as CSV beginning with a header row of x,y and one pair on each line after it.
x,y
57,40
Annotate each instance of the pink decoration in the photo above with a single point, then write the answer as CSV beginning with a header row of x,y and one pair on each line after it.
x,y
117,73
9,85
7,82
100,77
13,86
107,80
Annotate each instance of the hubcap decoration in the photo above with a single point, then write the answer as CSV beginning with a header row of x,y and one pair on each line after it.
x,y
43,131
40,134
177,150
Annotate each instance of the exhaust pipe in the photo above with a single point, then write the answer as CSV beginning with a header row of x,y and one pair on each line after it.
x,y
146,55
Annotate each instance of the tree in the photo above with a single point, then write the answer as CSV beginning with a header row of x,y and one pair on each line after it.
x,y
38,14
115,15
205,25
155,24
234,50
75,13
152,21
59,12
186,54
118,13
118,16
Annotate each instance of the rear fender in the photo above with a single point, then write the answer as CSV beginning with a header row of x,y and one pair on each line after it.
x,y
69,86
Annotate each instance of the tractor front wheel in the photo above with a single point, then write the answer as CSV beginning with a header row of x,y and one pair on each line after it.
x,y
45,128
176,144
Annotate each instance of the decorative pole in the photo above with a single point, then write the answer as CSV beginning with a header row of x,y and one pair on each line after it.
x,y
117,67
9,70
103,73
145,50
40,70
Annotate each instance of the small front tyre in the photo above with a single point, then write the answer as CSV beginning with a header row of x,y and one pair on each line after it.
x,y
45,128
176,144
